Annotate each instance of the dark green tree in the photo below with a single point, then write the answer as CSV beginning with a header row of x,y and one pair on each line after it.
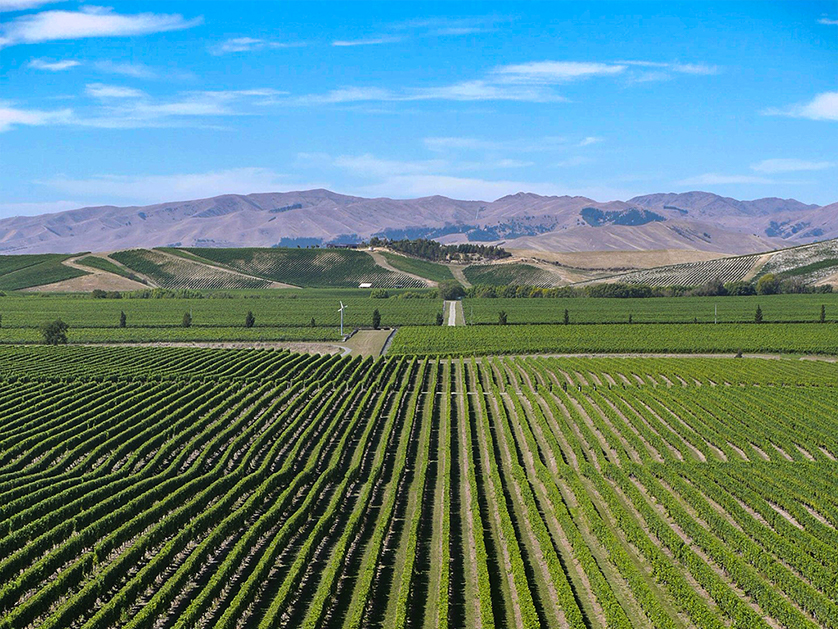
x,y
249,320
566,317
312,323
187,320
123,320
439,318
758,315
502,317
768,284
55,332
630,318
376,319
823,314
451,290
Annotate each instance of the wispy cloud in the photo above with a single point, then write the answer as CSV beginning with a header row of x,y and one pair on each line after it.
x,y
127,108
102,91
160,188
701,69
121,107
349,95
533,82
11,116
443,144
87,22
822,107
53,66
134,70
21,5
712,179
368,165
464,91
828,22
483,91
250,44
33,209
591,139
552,72
578,160
444,26
771,166
367,41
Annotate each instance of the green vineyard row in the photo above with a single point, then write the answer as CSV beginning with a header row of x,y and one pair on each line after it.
x,y
188,487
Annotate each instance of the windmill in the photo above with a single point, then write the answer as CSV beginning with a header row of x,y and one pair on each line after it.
x,y
340,310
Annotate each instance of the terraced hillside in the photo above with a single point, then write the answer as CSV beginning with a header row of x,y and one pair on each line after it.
x,y
811,263
318,268
27,271
510,274
170,271
814,263
154,487
689,273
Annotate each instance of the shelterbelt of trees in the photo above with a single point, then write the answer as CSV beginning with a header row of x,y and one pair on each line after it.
x,y
767,285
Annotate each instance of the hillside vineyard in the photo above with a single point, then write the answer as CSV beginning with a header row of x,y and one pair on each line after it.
x,y
185,487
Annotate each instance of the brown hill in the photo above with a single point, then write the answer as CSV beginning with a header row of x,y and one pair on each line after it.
x,y
694,220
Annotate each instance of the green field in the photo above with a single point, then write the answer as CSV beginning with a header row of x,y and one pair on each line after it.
x,y
509,274
96,262
429,270
26,271
775,308
151,487
272,309
318,268
177,272
808,338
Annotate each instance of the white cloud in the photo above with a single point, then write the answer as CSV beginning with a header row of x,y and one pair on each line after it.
x,y
12,117
551,72
682,68
405,179
461,30
349,95
484,91
21,5
591,139
370,166
828,22
771,166
33,209
547,143
711,179
88,22
695,68
134,70
161,188
53,66
574,161
128,108
249,44
823,107
370,41
465,91
450,26
455,187
527,82
102,91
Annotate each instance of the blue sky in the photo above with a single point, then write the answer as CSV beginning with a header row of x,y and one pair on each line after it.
x,y
143,102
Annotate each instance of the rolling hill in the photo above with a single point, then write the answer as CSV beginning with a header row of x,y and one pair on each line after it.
x,y
695,220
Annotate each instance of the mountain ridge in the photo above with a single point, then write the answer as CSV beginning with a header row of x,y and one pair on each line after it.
x,y
691,220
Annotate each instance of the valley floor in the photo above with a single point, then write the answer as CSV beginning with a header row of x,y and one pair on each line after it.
x,y
173,486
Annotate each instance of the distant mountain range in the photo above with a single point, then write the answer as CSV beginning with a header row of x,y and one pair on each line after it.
x,y
691,220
